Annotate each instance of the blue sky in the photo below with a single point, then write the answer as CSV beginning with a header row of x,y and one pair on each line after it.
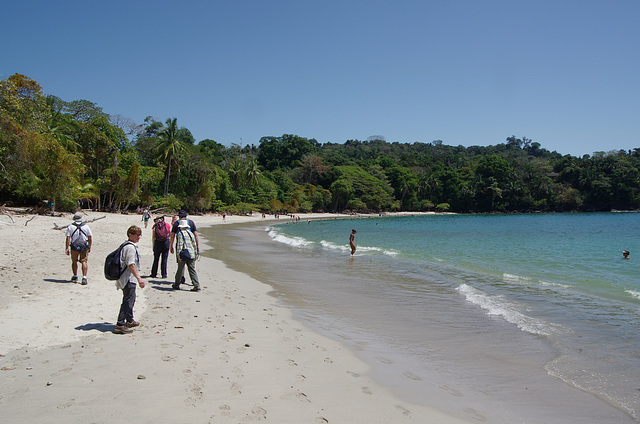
x,y
564,73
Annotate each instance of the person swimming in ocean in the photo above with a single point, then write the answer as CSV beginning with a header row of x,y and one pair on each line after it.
x,y
625,254
352,241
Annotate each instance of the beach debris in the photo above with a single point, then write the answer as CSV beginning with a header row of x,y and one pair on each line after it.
x,y
141,377
49,383
56,227
8,368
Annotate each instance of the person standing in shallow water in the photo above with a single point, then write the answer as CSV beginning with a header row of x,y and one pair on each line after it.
x,y
352,241
625,254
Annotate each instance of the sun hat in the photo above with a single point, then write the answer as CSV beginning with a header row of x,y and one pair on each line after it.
x,y
183,223
77,217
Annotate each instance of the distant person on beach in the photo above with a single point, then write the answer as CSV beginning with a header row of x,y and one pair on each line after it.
x,y
78,245
187,249
130,258
352,241
145,217
625,254
160,240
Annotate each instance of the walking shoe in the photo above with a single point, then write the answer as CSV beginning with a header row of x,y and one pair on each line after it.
x,y
173,286
182,280
132,324
74,279
164,277
122,329
195,289
84,281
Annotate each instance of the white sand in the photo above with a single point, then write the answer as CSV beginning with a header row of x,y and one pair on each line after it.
x,y
227,354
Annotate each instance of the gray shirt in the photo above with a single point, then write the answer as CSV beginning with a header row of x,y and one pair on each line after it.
x,y
128,255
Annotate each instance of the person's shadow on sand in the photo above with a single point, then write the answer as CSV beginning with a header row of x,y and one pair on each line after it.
x,y
53,280
103,327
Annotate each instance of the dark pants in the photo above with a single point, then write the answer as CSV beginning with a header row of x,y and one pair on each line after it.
x,y
160,248
128,300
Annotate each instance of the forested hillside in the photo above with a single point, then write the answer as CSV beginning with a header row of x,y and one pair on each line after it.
x,y
58,153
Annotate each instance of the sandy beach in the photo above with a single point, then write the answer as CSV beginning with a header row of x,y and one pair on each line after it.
x,y
227,354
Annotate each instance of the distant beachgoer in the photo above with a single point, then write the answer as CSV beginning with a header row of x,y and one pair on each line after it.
x,y
145,217
130,258
625,254
352,241
79,240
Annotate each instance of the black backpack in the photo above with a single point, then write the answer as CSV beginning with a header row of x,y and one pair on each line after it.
x,y
112,266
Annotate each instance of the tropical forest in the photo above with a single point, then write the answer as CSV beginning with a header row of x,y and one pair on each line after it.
x,y
59,154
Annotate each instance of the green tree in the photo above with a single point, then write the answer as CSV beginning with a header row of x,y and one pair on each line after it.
x,y
170,149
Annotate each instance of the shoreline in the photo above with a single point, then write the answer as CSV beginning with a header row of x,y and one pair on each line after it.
x,y
230,353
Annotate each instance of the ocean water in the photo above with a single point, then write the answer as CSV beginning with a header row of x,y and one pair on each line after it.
x,y
497,318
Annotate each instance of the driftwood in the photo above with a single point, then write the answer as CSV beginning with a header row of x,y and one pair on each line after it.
x,y
30,219
56,227
4,211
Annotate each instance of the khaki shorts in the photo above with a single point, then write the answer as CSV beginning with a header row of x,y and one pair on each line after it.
x,y
79,256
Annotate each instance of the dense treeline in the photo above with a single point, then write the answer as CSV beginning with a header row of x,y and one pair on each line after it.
x,y
62,152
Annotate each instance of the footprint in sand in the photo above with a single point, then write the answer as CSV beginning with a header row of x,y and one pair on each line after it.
x,y
321,420
403,410
291,362
353,374
411,375
236,389
66,404
476,415
238,372
225,410
384,360
367,391
303,397
259,412
452,391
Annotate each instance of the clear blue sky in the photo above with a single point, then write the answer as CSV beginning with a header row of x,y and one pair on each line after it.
x,y
565,73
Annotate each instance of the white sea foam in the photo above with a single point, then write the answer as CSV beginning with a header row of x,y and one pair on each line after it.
x,y
515,279
633,293
292,241
332,246
548,284
499,306
345,248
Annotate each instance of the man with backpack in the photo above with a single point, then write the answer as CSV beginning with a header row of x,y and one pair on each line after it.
x,y
160,239
187,248
130,266
78,245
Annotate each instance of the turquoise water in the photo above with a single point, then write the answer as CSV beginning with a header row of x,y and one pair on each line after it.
x,y
478,306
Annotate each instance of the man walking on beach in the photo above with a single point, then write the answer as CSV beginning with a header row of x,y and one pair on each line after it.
x,y
187,248
352,241
78,245
130,260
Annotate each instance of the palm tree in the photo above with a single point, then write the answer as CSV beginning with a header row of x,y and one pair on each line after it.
x,y
170,149
252,172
